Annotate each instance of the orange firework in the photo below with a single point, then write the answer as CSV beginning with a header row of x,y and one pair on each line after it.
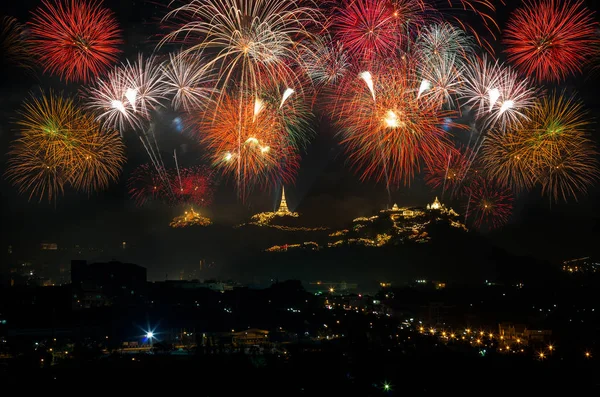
x,y
59,146
389,131
552,148
247,138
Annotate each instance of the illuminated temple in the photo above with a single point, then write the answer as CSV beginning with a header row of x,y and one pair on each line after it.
x,y
395,225
265,218
190,218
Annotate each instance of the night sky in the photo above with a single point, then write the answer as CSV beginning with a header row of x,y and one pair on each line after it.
x,y
326,191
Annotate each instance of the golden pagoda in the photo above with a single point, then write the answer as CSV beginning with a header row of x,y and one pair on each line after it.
x,y
283,208
190,218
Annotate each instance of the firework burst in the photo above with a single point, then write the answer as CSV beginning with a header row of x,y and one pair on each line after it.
x,y
557,142
551,148
441,40
389,132
497,95
192,186
490,205
452,172
187,82
126,97
254,148
75,39
368,28
59,146
253,40
550,39
14,46
145,184
324,61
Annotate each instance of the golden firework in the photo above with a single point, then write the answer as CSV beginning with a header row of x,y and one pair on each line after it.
x,y
59,145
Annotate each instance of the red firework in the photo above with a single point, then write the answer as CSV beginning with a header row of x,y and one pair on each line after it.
x,y
389,131
490,204
372,28
550,39
146,184
192,186
453,172
75,39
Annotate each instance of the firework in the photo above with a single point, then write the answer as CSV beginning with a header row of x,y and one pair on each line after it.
x,y
499,97
452,172
550,39
480,90
145,183
557,143
367,28
14,46
192,186
187,82
388,131
75,39
253,148
59,146
505,159
441,79
126,96
324,61
459,12
490,205
551,148
442,40
252,40
570,173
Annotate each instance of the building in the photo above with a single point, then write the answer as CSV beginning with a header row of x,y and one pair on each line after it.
x,y
283,207
99,284
249,338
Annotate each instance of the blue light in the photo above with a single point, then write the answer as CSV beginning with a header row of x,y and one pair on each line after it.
x,y
150,335
178,124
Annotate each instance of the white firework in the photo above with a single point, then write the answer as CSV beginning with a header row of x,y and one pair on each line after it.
x,y
187,82
441,40
252,40
441,79
125,98
480,86
324,61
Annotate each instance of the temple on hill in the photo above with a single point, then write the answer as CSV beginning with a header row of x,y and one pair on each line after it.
x,y
190,218
437,205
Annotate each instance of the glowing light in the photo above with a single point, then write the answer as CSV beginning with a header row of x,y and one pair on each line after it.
x,y
115,104
265,149
285,96
228,156
366,76
506,105
387,386
425,85
391,120
131,95
149,334
258,106
252,140
494,94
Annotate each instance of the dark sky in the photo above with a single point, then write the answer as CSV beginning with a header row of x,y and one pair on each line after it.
x,y
326,191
